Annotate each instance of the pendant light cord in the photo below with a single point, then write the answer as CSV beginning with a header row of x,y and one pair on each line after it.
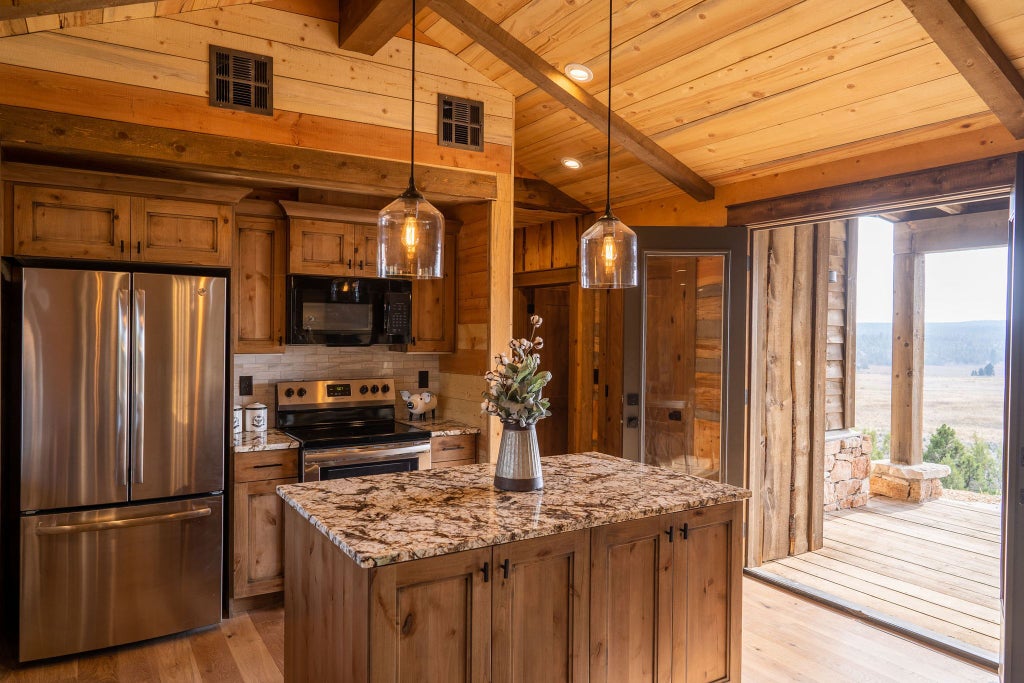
x,y
608,172
412,105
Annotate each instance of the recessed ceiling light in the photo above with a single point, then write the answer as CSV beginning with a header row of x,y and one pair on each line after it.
x,y
569,162
579,73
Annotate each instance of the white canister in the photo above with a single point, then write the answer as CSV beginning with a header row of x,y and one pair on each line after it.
x,y
236,420
255,417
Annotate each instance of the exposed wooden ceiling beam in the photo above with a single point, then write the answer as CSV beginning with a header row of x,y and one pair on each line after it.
x,y
365,26
507,48
240,161
961,36
539,195
23,9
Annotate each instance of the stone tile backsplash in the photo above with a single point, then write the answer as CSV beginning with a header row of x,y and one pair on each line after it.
x,y
323,362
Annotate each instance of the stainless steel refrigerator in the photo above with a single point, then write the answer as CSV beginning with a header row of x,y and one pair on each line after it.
x,y
122,457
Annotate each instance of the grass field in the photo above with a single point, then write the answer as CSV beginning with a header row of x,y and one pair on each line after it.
x,y
970,405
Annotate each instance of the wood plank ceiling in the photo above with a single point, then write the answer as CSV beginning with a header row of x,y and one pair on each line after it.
x,y
734,90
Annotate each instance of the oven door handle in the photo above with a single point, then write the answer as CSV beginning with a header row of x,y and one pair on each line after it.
x,y
334,454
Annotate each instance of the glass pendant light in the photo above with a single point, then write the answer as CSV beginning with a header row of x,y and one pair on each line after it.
x,y
608,248
410,231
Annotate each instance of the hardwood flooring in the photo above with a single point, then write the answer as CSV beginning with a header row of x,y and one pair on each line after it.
x,y
785,639
934,565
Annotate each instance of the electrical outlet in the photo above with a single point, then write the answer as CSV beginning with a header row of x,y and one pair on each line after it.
x,y
424,379
245,385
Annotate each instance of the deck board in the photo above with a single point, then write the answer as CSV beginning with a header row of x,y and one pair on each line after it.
x,y
934,565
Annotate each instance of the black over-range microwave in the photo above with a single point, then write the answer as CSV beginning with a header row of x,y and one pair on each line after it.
x,y
347,311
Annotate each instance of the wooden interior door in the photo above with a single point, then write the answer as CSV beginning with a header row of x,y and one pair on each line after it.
x,y
684,359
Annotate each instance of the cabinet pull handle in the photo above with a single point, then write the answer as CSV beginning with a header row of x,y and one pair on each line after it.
x,y
360,264
280,340
452,448
269,464
670,531
350,263
122,246
686,530
505,568
138,247
486,570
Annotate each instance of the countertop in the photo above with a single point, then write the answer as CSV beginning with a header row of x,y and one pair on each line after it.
x,y
392,518
441,427
270,440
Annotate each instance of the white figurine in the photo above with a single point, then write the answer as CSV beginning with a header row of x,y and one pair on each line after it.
x,y
419,404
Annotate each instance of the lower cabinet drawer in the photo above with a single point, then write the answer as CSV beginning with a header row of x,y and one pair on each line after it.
x,y
453,463
279,464
451,448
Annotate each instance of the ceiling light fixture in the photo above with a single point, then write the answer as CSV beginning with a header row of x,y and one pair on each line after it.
x,y
410,231
579,72
571,162
608,248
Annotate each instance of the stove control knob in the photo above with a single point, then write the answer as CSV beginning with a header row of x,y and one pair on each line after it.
x,y
363,389
302,392
374,389
386,388
289,392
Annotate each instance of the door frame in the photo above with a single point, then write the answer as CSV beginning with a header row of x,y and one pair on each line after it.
x,y
730,242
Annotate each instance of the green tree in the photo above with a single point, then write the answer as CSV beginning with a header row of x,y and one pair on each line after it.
x,y
971,469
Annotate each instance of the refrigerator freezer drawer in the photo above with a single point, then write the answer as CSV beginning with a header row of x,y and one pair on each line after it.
x,y
106,577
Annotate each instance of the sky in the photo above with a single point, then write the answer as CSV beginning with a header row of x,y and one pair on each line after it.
x,y
959,285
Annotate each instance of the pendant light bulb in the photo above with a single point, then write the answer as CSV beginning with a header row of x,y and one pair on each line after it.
x,y
608,248
410,230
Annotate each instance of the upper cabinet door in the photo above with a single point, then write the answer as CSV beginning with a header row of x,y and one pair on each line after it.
x,y
70,223
176,231
259,284
321,247
433,301
364,257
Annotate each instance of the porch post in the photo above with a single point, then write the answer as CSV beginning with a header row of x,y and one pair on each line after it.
x,y
907,358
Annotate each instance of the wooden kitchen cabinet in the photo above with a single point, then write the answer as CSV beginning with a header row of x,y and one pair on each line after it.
x,y
258,521
452,451
433,307
259,283
106,221
181,232
324,239
541,600
66,223
665,598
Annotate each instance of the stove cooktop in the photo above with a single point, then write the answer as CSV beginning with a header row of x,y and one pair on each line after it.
x,y
366,434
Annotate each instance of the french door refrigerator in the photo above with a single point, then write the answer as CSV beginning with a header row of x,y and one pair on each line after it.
x,y
122,457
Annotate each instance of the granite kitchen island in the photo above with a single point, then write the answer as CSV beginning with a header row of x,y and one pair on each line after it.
x,y
613,572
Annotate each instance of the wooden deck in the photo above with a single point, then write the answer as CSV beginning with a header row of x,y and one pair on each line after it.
x,y
932,565
786,639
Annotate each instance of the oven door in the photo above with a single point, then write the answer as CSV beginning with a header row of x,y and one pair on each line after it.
x,y
360,461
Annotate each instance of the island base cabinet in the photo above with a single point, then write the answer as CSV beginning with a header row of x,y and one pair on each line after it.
x,y
666,598
541,601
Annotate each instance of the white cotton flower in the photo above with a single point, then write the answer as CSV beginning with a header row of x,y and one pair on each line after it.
x,y
536,320
538,343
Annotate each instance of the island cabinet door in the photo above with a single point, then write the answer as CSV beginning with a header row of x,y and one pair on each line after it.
x,y
430,620
707,571
540,610
631,601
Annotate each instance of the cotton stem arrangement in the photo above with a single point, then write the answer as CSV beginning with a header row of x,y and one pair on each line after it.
x,y
515,386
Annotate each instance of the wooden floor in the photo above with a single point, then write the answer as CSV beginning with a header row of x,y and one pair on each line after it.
x,y
785,639
934,565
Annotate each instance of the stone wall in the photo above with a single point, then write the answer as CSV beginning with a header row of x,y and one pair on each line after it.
x,y
847,470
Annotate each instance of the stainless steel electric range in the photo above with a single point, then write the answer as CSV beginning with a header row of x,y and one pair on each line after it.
x,y
347,428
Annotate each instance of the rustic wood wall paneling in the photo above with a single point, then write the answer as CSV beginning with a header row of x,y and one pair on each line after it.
x,y
778,473
816,489
850,338
500,283
803,337
907,358
758,392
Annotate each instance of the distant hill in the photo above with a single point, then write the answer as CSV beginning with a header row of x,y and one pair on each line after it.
x,y
974,342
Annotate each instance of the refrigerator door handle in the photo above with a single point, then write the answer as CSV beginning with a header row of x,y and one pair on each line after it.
x,y
139,380
43,530
123,345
